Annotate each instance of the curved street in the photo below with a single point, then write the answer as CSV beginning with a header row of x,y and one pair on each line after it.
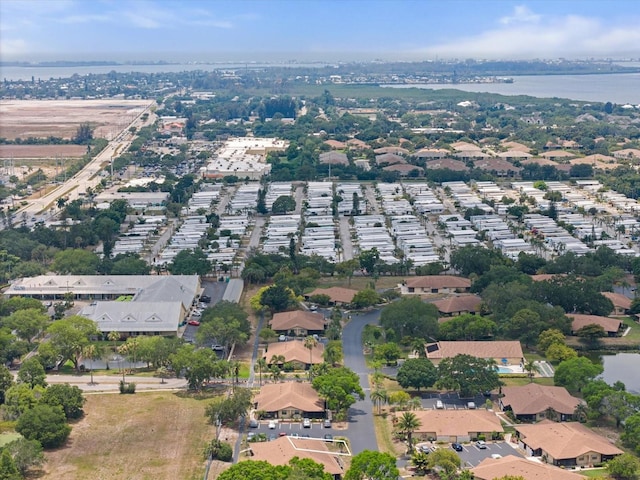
x,y
361,432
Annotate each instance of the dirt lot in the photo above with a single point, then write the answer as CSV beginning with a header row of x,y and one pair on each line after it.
x,y
41,151
61,118
151,436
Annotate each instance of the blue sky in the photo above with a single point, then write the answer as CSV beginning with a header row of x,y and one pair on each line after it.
x,y
245,30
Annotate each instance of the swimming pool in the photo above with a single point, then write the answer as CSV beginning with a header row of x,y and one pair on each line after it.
x,y
509,369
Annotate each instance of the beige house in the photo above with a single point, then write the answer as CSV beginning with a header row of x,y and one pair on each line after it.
x,y
289,400
566,444
459,304
611,326
621,303
295,352
337,295
507,352
435,284
298,323
535,402
491,468
456,425
281,450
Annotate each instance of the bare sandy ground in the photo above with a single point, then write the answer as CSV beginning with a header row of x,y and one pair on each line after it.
x,y
61,118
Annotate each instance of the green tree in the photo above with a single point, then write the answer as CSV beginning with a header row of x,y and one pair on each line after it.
x,y
631,435
32,373
387,352
338,387
559,352
8,468
333,353
310,343
348,267
190,262
468,375
365,298
407,424
66,396
576,372
44,423
261,365
27,323
277,298
26,454
283,204
369,259
444,459
624,467
410,317
549,337
417,373
227,409
478,260
420,461
68,337
6,381
20,398
129,264
378,397
370,465
591,333
75,262
619,405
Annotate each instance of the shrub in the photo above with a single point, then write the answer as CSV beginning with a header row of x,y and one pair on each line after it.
x,y
127,388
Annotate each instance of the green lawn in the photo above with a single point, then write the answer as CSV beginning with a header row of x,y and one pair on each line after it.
x,y
8,437
595,473
634,334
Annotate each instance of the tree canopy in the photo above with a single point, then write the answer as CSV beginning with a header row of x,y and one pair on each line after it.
x,y
417,373
575,373
410,317
468,375
370,465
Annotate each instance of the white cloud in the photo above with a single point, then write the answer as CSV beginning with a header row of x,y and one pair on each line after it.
x,y
89,18
525,35
12,47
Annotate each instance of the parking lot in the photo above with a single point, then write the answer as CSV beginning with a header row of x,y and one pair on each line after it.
x,y
452,401
295,428
471,455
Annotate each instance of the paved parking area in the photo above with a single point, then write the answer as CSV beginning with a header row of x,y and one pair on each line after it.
x,y
472,455
295,428
451,401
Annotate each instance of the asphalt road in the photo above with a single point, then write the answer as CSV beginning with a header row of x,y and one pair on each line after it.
x,y
361,432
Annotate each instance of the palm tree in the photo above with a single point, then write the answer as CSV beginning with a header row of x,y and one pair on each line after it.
x,y
310,342
260,366
114,337
531,367
378,397
407,424
90,351
580,413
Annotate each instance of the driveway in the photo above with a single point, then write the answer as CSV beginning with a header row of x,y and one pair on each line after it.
x,y
471,455
361,431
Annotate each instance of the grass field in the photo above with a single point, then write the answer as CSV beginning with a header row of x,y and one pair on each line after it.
x,y
8,437
152,436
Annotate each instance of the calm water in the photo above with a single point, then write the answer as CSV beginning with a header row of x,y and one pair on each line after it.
x,y
624,367
618,88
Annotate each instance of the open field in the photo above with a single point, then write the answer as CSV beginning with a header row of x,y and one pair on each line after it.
x,y
19,152
61,118
155,436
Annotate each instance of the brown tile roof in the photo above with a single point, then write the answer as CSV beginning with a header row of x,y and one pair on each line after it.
x,y
279,396
461,146
354,142
458,303
431,153
543,277
497,164
514,154
402,167
580,320
297,319
335,144
295,351
539,161
486,349
515,146
438,281
558,154
337,294
392,150
334,158
389,158
565,440
447,164
618,300
281,450
511,465
532,399
457,422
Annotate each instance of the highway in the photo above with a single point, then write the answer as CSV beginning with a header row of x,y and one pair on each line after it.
x,y
87,177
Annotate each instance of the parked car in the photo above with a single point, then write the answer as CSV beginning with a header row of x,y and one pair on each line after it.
x,y
425,448
205,298
328,436
195,323
327,423
272,425
471,405
439,404
481,444
282,338
457,447
196,313
306,423
250,436
253,423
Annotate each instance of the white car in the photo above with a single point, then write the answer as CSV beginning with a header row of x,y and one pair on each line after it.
x,y
272,425
196,313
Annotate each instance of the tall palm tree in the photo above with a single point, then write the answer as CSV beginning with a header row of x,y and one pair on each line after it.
x,y
310,342
378,397
407,424
90,352
531,368
261,366
114,337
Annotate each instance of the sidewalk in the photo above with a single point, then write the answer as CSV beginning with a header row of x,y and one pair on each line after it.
x,y
111,383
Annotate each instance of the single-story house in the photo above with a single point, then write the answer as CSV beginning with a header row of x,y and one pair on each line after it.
x,y
298,323
337,295
447,164
506,352
404,169
295,352
281,450
293,400
456,425
611,326
566,444
434,284
514,466
534,402
459,304
621,303
334,158
389,158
